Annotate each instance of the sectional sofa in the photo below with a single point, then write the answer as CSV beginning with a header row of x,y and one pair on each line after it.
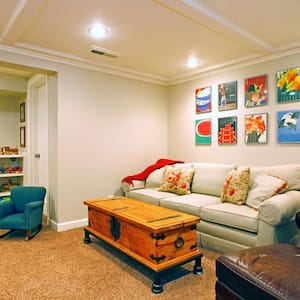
x,y
239,206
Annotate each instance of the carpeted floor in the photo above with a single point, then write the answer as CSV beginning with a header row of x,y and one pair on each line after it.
x,y
58,265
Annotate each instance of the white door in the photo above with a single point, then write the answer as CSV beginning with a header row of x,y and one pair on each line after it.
x,y
38,135
41,139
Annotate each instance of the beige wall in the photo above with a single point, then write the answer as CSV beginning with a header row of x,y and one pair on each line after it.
x,y
108,127
101,128
12,90
181,116
9,122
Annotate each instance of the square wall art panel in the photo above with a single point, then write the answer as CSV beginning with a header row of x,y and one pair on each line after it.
x,y
203,100
203,132
288,85
288,126
227,95
227,130
256,128
256,92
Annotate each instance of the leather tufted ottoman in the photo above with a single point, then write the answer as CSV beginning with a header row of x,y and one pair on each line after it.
x,y
266,272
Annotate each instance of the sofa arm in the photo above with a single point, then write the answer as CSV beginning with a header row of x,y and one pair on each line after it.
x,y
280,209
136,184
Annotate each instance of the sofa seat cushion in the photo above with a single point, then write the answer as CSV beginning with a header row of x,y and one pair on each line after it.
x,y
228,214
151,196
190,204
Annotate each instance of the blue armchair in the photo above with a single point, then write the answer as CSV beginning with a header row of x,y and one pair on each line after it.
x,y
24,211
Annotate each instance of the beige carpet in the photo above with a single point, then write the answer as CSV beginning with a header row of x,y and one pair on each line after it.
x,y
58,265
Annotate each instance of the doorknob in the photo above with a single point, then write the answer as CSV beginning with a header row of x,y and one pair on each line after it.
x,y
37,155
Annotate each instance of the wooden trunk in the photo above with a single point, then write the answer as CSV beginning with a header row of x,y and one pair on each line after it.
x,y
158,237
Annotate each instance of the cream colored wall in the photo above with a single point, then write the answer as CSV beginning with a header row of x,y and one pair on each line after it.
x,y
9,118
108,127
181,119
13,83
9,109
103,128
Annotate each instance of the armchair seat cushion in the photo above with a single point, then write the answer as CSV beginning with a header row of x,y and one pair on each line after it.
x,y
12,221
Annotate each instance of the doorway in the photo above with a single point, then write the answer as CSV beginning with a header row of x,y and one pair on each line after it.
x,y
37,136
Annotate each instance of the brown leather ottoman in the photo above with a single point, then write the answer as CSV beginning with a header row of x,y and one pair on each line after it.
x,y
266,272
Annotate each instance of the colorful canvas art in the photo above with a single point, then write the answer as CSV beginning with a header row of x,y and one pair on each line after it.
x,y
203,132
288,85
227,95
256,128
227,130
256,93
288,126
203,100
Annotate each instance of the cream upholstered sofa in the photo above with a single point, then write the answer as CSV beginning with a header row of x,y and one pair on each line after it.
x,y
266,216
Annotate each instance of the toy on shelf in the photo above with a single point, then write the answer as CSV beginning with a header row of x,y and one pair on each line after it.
x,y
7,186
8,169
9,151
4,199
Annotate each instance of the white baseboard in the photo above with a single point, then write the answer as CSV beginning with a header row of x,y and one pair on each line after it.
x,y
68,225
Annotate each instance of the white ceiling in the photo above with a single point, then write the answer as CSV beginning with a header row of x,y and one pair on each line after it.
x,y
153,38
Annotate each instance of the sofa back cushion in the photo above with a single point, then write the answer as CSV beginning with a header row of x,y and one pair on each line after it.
x,y
155,179
209,178
289,172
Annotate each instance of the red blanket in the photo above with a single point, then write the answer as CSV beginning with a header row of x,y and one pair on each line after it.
x,y
144,174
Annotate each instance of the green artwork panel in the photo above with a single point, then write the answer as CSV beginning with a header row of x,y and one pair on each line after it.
x,y
203,132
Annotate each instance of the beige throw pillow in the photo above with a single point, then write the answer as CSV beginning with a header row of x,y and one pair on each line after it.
x,y
177,180
263,187
236,186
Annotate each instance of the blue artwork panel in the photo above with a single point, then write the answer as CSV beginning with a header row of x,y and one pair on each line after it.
x,y
288,126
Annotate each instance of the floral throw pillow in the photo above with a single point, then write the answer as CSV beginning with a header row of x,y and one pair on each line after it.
x,y
177,180
265,186
236,186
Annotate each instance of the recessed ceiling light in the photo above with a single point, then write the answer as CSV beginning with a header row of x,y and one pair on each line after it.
x,y
192,62
98,31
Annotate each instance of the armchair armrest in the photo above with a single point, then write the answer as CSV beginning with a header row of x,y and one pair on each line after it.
x,y
33,213
6,208
33,205
280,209
34,209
